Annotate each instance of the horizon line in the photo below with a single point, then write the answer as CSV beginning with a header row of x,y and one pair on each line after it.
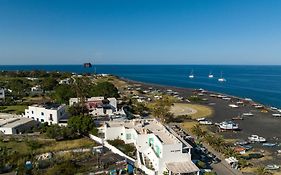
x,y
142,64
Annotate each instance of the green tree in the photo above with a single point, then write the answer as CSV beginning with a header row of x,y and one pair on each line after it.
x,y
138,108
161,109
78,109
105,89
81,124
63,93
18,86
66,168
262,171
60,132
196,129
49,83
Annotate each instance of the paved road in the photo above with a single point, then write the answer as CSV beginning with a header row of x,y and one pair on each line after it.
x,y
222,168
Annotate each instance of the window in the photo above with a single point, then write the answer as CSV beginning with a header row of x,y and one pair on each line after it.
x,y
42,120
37,119
157,150
51,117
42,113
151,141
32,118
32,112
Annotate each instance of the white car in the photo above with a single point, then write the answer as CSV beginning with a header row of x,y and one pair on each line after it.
x,y
276,115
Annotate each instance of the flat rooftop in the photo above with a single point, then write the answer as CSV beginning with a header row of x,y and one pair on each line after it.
x,y
147,126
52,106
13,122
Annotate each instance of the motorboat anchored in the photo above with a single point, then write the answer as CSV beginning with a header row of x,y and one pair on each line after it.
x,y
221,79
211,75
191,76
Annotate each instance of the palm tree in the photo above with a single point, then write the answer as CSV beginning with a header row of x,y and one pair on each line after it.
x,y
196,129
262,171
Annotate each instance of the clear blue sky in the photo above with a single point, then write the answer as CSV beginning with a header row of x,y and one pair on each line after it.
x,y
140,31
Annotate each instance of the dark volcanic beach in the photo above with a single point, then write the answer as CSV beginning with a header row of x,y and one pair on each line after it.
x,y
262,123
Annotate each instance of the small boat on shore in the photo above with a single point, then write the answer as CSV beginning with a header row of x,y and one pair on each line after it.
x,y
248,114
233,106
205,122
228,125
256,138
276,115
269,144
272,167
237,118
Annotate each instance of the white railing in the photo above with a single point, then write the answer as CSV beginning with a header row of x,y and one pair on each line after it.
x,y
111,148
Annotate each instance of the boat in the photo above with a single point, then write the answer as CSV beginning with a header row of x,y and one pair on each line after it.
x,y
233,106
221,79
272,167
276,115
211,75
228,125
256,138
191,75
269,144
201,119
205,122
248,114
241,143
238,118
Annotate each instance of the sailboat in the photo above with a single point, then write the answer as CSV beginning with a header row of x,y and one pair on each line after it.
x,y
211,75
221,79
191,75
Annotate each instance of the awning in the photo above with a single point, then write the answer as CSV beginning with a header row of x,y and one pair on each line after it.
x,y
182,167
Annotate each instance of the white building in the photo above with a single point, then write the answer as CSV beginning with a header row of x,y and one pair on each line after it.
x,y
10,124
2,93
99,106
36,89
158,150
50,113
65,81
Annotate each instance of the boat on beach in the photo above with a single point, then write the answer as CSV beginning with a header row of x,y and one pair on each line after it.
x,y
248,114
228,125
256,138
272,167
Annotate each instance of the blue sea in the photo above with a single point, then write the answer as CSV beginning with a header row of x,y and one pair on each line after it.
x,y
260,83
